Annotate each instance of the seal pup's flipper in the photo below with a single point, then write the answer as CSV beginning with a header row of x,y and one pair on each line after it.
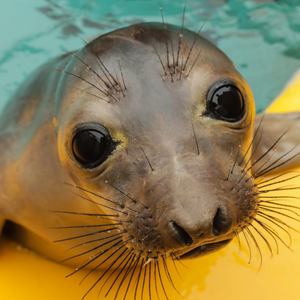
x,y
278,141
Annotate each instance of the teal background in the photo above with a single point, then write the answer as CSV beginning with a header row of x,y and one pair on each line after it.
x,y
261,37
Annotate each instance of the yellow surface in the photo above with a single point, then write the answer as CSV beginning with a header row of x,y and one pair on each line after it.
x,y
224,275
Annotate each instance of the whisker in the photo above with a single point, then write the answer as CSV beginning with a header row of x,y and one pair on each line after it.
x,y
161,281
95,268
236,159
160,60
274,232
275,177
180,36
150,280
85,226
279,204
122,74
111,265
93,258
175,265
273,163
239,241
164,26
252,154
147,159
274,144
88,251
97,240
138,278
257,246
263,237
275,190
269,231
275,167
267,206
261,167
144,280
248,244
92,193
81,78
88,66
164,259
84,235
197,145
84,214
100,64
272,219
117,268
92,94
130,280
194,62
135,201
280,213
191,49
155,279
129,269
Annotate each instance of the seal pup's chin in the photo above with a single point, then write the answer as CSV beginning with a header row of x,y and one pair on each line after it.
x,y
204,249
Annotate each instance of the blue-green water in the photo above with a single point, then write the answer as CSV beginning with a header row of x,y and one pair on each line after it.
x,y
262,37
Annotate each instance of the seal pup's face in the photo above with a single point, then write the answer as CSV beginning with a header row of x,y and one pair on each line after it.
x,y
158,132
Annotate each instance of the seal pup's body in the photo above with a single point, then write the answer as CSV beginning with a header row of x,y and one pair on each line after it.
x,y
175,180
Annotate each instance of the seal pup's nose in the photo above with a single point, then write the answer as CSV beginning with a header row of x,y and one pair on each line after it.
x,y
186,232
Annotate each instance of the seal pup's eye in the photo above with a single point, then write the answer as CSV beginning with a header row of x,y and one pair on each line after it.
x,y
92,146
226,103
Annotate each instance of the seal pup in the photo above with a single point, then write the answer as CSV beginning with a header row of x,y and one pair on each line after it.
x,y
153,128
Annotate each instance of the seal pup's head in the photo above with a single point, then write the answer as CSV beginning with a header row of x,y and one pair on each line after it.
x,y
155,124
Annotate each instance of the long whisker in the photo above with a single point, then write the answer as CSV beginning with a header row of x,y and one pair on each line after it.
x,y
97,240
101,65
88,66
130,279
88,251
197,145
263,237
257,247
111,265
127,257
91,94
248,244
191,49
274,144
180,36
85,226
272,219
135,201
275,167
155,279
84,235
94,257
255,133
91,84
161,281
97,195
138,278
268,206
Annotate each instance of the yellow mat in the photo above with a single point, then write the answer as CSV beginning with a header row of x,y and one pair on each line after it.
x,y
224,275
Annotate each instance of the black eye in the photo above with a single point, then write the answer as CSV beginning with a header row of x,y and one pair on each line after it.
x,y
91,146
227,103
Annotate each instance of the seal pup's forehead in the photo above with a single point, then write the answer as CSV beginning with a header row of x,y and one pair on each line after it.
x,y
145,63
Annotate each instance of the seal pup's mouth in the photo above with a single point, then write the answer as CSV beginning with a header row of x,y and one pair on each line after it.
x,y
204,249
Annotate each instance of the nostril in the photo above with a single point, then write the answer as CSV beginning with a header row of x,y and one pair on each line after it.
x,y
220,223
184,236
